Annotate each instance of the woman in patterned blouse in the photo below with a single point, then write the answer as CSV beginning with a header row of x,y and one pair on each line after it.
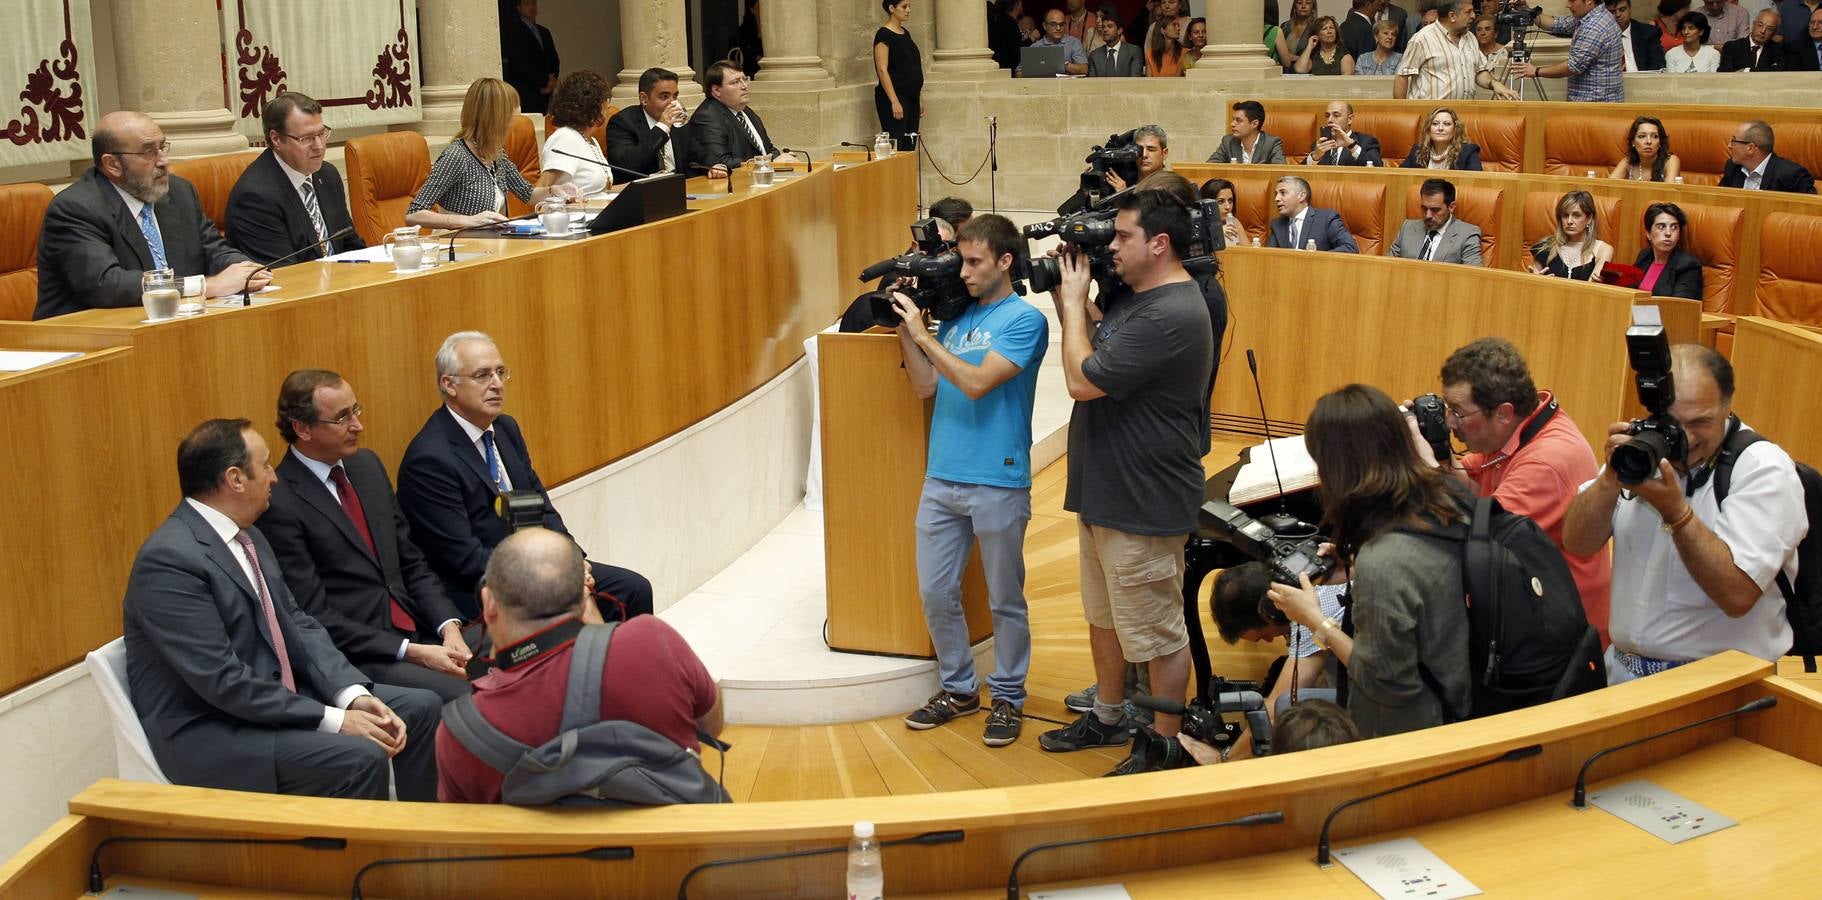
x,y
472,175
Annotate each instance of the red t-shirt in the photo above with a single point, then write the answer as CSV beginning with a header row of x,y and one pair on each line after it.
x,y
652,677
1539,482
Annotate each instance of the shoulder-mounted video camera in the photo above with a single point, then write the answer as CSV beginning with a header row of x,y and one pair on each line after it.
x,y
931,275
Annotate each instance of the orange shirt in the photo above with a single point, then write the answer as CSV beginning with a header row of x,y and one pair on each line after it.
x,y
1169,67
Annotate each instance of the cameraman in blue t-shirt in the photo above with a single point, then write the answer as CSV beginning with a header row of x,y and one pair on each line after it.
x,y
982,368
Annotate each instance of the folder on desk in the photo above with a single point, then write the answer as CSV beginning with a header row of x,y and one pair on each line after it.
x,y
647,199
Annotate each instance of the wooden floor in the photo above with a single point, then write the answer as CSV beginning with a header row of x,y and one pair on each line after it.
x,y
882,756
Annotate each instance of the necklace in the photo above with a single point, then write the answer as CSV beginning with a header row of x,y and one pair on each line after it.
x,y
980,318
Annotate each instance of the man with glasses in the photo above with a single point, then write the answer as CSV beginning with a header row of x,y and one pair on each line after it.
x,y
728,133
345,549
125,216
1752,165
1075,57
464,458
287,201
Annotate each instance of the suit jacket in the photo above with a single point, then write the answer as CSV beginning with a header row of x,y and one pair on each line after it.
x,y
1467,160
1801,56
448,497
1268,151
1131,63
1736,56
1458,243
1647,45
91,251
633,145
721,139
528,61
1780,175
267,218
200,664
1323,226
1682,275
1369,153
333,575
1357,34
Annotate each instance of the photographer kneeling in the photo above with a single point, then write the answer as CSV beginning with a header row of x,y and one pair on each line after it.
x,y
1240,607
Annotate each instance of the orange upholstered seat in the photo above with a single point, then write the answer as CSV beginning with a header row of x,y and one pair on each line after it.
x,y
1362,208
1574,145
1296,129
1790,269
1610,214
1713,236
1479,206
1253,206
1701,146
22,209
214,177
1501,140
384,174
522,149
1396,132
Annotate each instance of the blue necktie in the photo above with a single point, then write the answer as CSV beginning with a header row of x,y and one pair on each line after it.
x,y
148,226
493,459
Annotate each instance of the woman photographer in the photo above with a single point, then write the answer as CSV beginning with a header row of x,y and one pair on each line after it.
x,y
1409,625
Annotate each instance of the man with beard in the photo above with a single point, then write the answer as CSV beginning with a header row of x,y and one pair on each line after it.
x,y
125,216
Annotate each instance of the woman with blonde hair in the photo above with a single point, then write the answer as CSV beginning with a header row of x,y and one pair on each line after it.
x,y
1573,250
1444,145
472,176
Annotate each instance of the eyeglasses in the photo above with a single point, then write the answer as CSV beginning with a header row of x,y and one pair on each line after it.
x,y
163,148
353,412
1050,24
486,375
317,137
1732,141
1450,412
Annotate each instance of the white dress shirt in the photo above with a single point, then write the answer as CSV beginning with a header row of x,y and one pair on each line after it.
x,y
667,160
1293,228
474,437
297,186
192,284
1756,175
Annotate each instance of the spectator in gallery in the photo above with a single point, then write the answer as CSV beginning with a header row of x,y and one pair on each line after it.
x,y
1648,156
1383,60
1325,55
1692,53
1164,50
1195,41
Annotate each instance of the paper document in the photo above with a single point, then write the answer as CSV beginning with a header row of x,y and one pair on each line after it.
x,y
20,360
375,253
1256,480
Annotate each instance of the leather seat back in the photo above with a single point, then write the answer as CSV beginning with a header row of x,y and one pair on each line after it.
x,y
1701,147
1483,207
1296,129
1362,208
522,149
1790,269
214,177
22,209
1396,132
1714,236
1610,216
1801,144
1501,140
1253,206
1574,145
384,172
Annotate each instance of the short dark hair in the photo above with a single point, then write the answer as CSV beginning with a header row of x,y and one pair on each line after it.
x,y
1252,109
649,78
579,100
1717,365
1234,605
208,452
1160,212
1310,724
717,73
953,210
297,399
279,108
1495,373
1760,135
1675,212
1441,186
1109,12
1171,183
526,575
1700,22
997,231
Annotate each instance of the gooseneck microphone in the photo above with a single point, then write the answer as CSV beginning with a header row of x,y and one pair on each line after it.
x,y
807,168
1580,800
861,147
710,169
928,838
246,288
1513,755
599,162
97,885
1275,817
1280,522
597,854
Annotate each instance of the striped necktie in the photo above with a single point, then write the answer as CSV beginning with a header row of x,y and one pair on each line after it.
x,y
316,212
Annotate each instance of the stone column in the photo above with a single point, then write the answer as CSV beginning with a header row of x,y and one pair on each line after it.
x,y
460,43
961,42
168,61
1236,48
789,29
652,34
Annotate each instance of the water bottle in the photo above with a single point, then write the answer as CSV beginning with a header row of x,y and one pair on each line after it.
x,y
1590,173
866,877
882,146
1679,179
1310,245
1255,242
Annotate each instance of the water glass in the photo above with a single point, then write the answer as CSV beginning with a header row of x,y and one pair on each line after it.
x,y
161,292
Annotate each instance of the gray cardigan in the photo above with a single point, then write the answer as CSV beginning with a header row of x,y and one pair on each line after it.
x,y
1407,606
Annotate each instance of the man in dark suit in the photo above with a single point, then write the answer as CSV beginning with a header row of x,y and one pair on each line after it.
x,y
1357,28
1644,45
287,201
1752,165
727,132
650,137
238,688
1759,50
1298,222
1338,144
1804,54
1114,58
462,460
346,549
124,216
529,56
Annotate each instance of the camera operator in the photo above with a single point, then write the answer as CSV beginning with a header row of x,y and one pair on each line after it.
x,y
1693,576
982,368
1154,155
1236,608
1596,66
950,213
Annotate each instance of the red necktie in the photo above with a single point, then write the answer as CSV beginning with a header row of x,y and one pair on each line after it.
x,y
351,504
265,604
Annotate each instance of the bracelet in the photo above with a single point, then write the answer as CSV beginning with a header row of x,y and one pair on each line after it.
x,y
1316,634
1682,520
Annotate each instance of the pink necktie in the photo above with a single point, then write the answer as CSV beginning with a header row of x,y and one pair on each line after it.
x,y
265,603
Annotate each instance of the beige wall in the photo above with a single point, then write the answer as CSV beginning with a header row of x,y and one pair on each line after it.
x,y
587,33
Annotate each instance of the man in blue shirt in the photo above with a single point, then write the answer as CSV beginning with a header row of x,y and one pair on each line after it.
x,y
982,368
1596,66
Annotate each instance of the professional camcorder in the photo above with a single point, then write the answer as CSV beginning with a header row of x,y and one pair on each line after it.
x,y
1285,557
1091,232
1658,436
1516,15
521,509
1203,721
1120,155
935,272
1433,424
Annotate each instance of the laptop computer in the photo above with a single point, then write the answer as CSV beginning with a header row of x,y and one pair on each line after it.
x,y
1041,62
647,199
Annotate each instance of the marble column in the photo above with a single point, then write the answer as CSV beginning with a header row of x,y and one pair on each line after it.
x,y
961,42
460,43
167,57
1236,46
652,33
789,29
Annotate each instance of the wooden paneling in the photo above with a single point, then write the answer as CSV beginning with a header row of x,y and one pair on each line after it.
x,y
1777,376
887,188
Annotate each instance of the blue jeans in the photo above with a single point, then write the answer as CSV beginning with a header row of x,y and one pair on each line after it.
x,y
951,517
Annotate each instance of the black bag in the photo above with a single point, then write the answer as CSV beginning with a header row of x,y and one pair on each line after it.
x,y
589,762
1803,600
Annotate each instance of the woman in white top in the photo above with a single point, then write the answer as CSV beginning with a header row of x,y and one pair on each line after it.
x,y
576,108
1693,55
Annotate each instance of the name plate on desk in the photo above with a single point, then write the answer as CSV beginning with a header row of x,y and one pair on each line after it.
x,y
1659,812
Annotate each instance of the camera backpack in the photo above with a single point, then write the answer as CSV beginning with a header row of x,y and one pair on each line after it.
x,y
1803,600
589,762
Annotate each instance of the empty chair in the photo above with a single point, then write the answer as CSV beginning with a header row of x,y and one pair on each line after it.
x,y
22,209
384,174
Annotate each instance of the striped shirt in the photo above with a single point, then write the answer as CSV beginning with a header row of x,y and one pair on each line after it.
x,y
460,184
1597,59
1441,67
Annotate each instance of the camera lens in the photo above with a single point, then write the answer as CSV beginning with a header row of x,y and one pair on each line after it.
x,y
1638,458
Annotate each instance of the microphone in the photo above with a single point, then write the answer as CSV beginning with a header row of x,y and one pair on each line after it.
x,y
1513,755
927,839
597,854
1581,780
246,295
1280,522
97,885
708,169
1275,817
863,147
803,153
600,162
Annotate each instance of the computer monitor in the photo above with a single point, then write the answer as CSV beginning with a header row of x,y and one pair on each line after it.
x,y
1041,62
648,199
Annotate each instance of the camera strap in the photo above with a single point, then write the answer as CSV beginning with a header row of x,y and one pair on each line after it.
x,y
523,652
1722,462
1537,423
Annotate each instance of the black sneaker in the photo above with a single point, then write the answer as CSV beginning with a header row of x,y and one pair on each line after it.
x,y
1087,731
941,708
1003,725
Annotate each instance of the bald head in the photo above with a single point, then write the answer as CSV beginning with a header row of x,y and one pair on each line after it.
x,y
1704,399
533,574
129,150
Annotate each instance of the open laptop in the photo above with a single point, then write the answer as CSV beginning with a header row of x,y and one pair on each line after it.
x,y
648,199
1041,62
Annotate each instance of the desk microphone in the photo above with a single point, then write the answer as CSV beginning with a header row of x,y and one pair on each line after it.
x,y
599,162
1280,522
597,854
246,288
710,169
97,885
1012,878
1513,755
807,168
1581,780
928,838
863,147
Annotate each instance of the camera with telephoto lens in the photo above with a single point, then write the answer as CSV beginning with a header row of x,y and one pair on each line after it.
x,y
1433,424
1285,557
1203,721
521,509
1657,437
931,275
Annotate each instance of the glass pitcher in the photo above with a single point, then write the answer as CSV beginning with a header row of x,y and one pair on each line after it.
x,y
405,248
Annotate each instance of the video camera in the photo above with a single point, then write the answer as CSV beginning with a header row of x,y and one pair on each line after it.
x,y
1515,15
521,509
1203,721
1120,155
1433,424
935,268
1284,557
1658,436
1091,231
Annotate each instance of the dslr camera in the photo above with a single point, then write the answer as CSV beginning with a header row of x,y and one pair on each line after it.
x,y
1285,557
1203,720
1433,424
1656,437
931,275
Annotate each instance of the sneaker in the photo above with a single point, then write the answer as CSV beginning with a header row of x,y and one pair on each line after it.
x,y
1003,725
1085,732
941,708
1138,681
1083,700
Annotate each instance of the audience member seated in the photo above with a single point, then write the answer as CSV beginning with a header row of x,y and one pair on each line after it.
x,y
1727,20
1670,271
469,453
1236,604
1195,40
1438,236
1693,575
576,108
1382,59
1081,24
1164,49
651,136
1325,55
1751,164
1162,13
1311,725
1338,144
1806,51
1574,250
1670,22
126,215
236,687
1794,18
1298,30
1648,156
345,550
1114,58
287,201
1486,34
1298,224
727,132
1759,50
1443,63
1693,53
1154,154
536,589
1075,56
471,176
1246,140
1226,199
1644,51
1445,145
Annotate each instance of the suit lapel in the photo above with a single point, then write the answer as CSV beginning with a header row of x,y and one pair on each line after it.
x,y
512,460
124,223
464,449
316,495
218,553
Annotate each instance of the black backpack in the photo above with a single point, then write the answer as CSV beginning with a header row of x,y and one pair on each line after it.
x,y
1803,600
589,762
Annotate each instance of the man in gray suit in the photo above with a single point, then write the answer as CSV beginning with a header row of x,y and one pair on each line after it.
x,y
1114,58
1299,224
1438,236
236,687
124,216
1246,140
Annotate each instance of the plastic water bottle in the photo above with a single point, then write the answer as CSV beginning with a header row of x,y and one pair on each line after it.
x,y
1255,242
1679,179
866,877
1310,245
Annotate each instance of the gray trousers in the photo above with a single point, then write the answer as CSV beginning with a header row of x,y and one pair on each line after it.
x,y
951,517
